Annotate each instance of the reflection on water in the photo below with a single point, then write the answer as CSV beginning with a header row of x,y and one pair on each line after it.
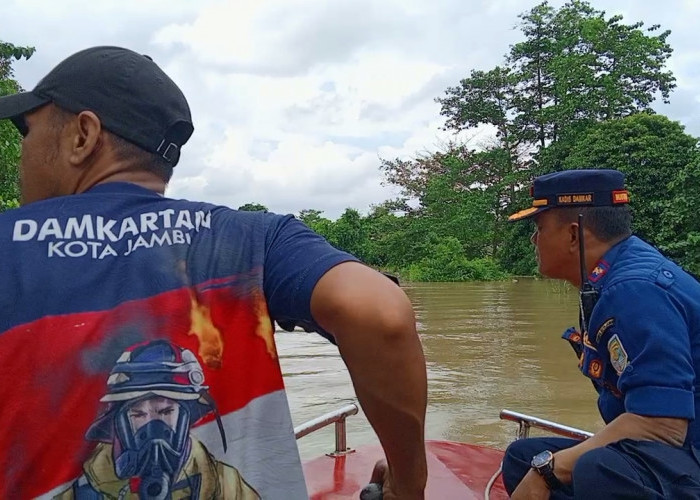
x,y
488,346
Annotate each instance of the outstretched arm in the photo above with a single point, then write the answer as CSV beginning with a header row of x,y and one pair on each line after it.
x,y
373,324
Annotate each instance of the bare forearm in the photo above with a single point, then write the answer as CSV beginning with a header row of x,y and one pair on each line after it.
x,y
670,431
389,376
373,323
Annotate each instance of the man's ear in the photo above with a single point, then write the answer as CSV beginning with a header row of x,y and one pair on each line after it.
x,y
573,237
86,137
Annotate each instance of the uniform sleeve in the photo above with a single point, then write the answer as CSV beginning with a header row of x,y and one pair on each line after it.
x,y
295,259
648,345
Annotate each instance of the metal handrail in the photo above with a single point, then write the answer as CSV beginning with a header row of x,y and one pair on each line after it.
x,y
338,418
525,422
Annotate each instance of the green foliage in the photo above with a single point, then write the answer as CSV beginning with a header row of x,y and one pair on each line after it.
x,y
10,139
252,207
516,255
651,150
447,262
574,67
574,93
549,103
349,233
680,228
310,216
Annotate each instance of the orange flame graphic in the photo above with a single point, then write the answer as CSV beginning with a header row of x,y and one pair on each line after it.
x,y
211,344
264,329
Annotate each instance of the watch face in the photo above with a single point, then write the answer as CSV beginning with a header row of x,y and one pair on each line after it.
x,y
541,459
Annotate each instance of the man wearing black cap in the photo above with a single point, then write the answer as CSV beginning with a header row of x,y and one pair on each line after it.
x,y
639,343
97,259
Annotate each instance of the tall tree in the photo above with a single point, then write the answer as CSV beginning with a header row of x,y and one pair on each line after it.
x,y
575,68
651,150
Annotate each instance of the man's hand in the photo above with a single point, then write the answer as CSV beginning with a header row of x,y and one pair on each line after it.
x,y
381,475
532,487
671,431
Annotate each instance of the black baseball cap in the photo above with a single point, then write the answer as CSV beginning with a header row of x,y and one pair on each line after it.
x,y
589,187
131,95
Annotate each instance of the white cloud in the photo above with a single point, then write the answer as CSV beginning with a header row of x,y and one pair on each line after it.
x,y
295,101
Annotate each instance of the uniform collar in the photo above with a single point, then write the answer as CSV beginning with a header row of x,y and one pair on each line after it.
x,y
122,187
603,266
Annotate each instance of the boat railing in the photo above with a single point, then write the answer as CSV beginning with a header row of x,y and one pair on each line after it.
x,y
336,417
526,422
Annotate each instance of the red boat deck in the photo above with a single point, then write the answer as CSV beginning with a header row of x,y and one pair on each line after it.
x,y
455,470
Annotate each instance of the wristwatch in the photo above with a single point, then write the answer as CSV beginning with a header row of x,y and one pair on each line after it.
x,y
543,463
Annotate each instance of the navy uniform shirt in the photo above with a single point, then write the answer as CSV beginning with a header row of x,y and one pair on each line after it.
x,y
642,348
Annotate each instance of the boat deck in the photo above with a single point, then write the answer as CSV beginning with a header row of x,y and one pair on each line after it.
x,y
455,470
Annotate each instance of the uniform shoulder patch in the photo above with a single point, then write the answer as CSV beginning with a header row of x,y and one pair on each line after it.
x,y
607,324
599,271
618,355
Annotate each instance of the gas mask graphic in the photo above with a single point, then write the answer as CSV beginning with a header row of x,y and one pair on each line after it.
x,y
154,453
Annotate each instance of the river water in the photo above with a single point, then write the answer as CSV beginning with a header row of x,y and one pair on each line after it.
x,y
488,346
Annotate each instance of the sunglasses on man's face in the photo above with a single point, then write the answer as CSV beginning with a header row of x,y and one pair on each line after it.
x,y
21,125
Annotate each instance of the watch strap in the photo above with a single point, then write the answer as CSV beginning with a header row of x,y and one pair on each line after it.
x,y
547,473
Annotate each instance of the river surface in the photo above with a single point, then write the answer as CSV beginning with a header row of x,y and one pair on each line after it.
x,y
488,346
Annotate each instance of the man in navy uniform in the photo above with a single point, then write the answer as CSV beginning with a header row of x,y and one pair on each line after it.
x,y
639,343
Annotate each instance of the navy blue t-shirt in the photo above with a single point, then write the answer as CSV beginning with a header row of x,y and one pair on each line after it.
x,y
120,284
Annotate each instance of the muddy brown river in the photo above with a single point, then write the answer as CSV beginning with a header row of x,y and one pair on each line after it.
x,y
488,346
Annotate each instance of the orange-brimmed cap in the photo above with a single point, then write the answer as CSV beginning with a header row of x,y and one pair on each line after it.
x,y
595,187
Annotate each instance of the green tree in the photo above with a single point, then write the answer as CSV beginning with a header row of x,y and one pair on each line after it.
x,y
680,229
575,68
651,150
384,232
9,137
518,256
253,207
447,262
350,234
310,216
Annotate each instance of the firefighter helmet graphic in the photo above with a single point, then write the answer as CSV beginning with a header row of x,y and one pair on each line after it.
x,y
155,392
157,368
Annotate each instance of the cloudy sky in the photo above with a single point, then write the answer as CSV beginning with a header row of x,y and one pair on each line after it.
x,y
295,101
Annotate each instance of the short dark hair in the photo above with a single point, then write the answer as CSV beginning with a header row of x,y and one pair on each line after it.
x,y
123,149
59,117
606,223
152,162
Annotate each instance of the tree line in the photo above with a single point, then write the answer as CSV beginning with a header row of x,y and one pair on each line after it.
x,y
575,92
